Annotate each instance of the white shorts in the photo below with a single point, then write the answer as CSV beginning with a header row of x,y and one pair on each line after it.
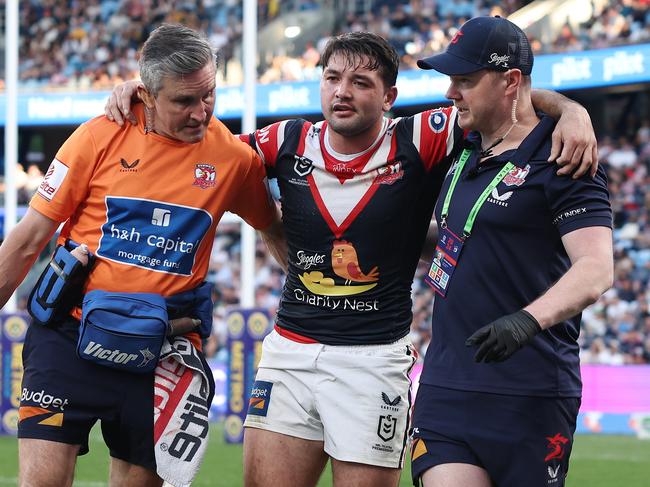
x,y
356,399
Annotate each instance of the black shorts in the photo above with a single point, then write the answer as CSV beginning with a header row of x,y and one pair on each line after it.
x,y
62,396
518,440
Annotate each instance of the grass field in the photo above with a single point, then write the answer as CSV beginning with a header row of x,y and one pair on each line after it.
x,y
597,461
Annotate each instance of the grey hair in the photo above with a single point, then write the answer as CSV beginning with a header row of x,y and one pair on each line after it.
x,y
173,50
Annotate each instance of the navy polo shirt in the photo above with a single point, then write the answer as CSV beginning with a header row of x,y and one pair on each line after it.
x,y
513,256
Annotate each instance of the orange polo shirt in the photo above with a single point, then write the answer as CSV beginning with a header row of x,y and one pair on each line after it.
x,y
148,206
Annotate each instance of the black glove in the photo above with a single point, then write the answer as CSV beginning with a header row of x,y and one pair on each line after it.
x,y
504,336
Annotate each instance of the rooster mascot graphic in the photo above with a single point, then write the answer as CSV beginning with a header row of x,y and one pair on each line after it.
x,y
345,264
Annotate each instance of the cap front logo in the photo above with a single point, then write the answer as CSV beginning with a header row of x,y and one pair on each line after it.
x,y
456,37
499,60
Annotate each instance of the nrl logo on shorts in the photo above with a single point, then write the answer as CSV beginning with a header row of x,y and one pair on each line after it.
x,y
386,427
303,166
205,176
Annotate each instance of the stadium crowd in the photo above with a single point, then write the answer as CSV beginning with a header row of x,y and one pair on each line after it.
x,y
93,44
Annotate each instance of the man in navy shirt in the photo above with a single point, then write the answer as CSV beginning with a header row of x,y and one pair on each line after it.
x,y
521,252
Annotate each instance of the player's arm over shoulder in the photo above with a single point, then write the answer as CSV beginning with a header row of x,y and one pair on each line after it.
x,y
577,203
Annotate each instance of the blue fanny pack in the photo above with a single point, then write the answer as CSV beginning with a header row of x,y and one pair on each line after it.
x,y
60,286
122,330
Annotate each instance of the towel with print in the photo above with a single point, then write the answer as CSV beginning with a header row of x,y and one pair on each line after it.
x,y
183,391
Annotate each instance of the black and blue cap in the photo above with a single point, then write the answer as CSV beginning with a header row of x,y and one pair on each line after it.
x,y
484,43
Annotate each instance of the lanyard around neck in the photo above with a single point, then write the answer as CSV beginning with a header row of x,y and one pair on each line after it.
x,y
469,224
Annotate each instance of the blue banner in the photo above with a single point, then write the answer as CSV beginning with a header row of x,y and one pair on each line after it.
x,y
567,71
152,234
246,331
12,334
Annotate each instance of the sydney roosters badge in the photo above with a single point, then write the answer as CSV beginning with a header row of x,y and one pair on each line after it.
x,y
517,176
205,176
390,173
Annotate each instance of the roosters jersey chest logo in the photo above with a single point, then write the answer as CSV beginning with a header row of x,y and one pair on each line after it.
x,y
205,176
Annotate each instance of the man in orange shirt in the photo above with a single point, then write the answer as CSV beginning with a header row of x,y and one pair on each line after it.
x,y
146,199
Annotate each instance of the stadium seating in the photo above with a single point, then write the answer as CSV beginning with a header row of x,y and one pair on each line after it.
x,y
93,44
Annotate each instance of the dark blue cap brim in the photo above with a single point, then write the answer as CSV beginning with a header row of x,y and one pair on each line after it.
x,y
449,64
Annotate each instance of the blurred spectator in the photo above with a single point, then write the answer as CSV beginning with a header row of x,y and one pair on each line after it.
x,y
623,155
26,183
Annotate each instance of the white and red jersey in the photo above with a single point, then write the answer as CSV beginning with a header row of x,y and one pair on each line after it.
x,y
355,224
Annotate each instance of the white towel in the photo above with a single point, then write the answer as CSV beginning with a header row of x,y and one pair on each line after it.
x,y
182,396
